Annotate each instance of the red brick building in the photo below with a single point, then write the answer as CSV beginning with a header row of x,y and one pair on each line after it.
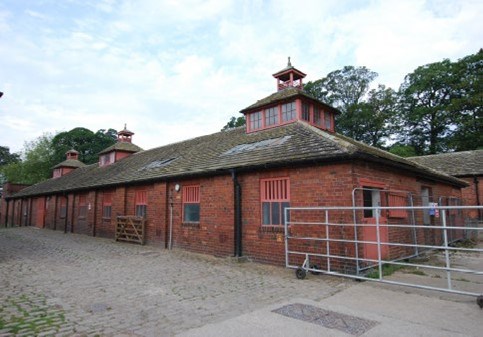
x,y
224,194
465,165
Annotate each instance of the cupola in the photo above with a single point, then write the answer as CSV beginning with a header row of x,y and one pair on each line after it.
x,y
121,149
289,104
71,163
289,77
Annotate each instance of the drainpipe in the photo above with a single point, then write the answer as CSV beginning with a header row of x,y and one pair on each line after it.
x,y
478,203
6,213
94,222
170,242
238,214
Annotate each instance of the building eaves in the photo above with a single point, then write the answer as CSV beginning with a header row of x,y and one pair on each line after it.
x,y
122,146
70,163
458,164
284,95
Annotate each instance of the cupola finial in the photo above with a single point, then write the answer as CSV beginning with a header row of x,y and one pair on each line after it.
x,y
289,64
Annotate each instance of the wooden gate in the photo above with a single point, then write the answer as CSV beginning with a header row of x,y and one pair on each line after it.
x,y
130,229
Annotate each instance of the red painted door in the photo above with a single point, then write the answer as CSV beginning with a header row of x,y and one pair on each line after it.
x,y
40,221
370,234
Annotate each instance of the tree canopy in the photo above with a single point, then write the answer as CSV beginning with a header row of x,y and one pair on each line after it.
x,y
40,155
234,122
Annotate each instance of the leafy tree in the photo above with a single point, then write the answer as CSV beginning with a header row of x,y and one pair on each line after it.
x,y
426,113
365,114
467,103
83,140
234,123
403,150
36,164
6,157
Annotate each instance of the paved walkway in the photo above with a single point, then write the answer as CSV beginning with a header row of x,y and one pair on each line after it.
x,y
56,284
59,284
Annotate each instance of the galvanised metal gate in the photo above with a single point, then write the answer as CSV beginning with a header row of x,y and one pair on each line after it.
x,y
341,241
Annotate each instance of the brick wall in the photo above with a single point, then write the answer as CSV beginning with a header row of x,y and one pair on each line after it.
x,y
318,185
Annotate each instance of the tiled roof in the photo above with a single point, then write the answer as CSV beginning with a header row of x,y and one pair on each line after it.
x,y
459,164
122,146
290,144
70,163
282,95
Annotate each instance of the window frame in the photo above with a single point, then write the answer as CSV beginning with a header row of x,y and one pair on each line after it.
x,y
82,206
271,116
256,124
107,205
191,203
274,193
286,111
141,203
305,114
63,208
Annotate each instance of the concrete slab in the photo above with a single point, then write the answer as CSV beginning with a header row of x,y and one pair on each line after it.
x,y
397,314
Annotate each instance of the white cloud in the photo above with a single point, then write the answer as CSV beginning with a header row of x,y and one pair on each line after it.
x,y
173,70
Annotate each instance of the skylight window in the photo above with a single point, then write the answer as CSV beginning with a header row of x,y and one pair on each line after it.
x,y
157,164
264,144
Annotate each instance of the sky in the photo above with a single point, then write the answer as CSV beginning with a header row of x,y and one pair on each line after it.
x,y
173,70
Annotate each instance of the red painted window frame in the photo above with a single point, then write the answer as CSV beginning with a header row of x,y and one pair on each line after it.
x,y
63,207
274,190
191,196
82,206
141,203
106,205
57,173
397,200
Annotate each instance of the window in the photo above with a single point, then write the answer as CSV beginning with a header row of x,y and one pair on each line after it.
x,y
255,120
191,203
397,200
328,121
288,112
107,159
63,207
275,197
57,172
141,202
82,206
317,116
306,112
372,198
106,205
271,116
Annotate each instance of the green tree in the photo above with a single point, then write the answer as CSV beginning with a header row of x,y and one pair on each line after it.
x,y
36,164
83,140
365,114
6,157
426,113
467,103
234,123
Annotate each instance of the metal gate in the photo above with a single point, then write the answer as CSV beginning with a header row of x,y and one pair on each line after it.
x,y
341,241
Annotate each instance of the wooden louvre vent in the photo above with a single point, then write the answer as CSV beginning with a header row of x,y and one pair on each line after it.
x,y
131,229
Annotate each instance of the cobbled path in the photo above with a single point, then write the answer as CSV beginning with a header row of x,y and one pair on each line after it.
x,y
56,284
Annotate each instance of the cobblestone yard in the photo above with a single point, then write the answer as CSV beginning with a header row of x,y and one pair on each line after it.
x,y
56,284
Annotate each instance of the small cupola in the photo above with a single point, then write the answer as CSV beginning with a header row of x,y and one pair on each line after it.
x,y
125,136
71,163
289,77
289,104
121,149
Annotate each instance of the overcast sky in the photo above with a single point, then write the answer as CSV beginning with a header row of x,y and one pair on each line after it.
x,y
173,70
